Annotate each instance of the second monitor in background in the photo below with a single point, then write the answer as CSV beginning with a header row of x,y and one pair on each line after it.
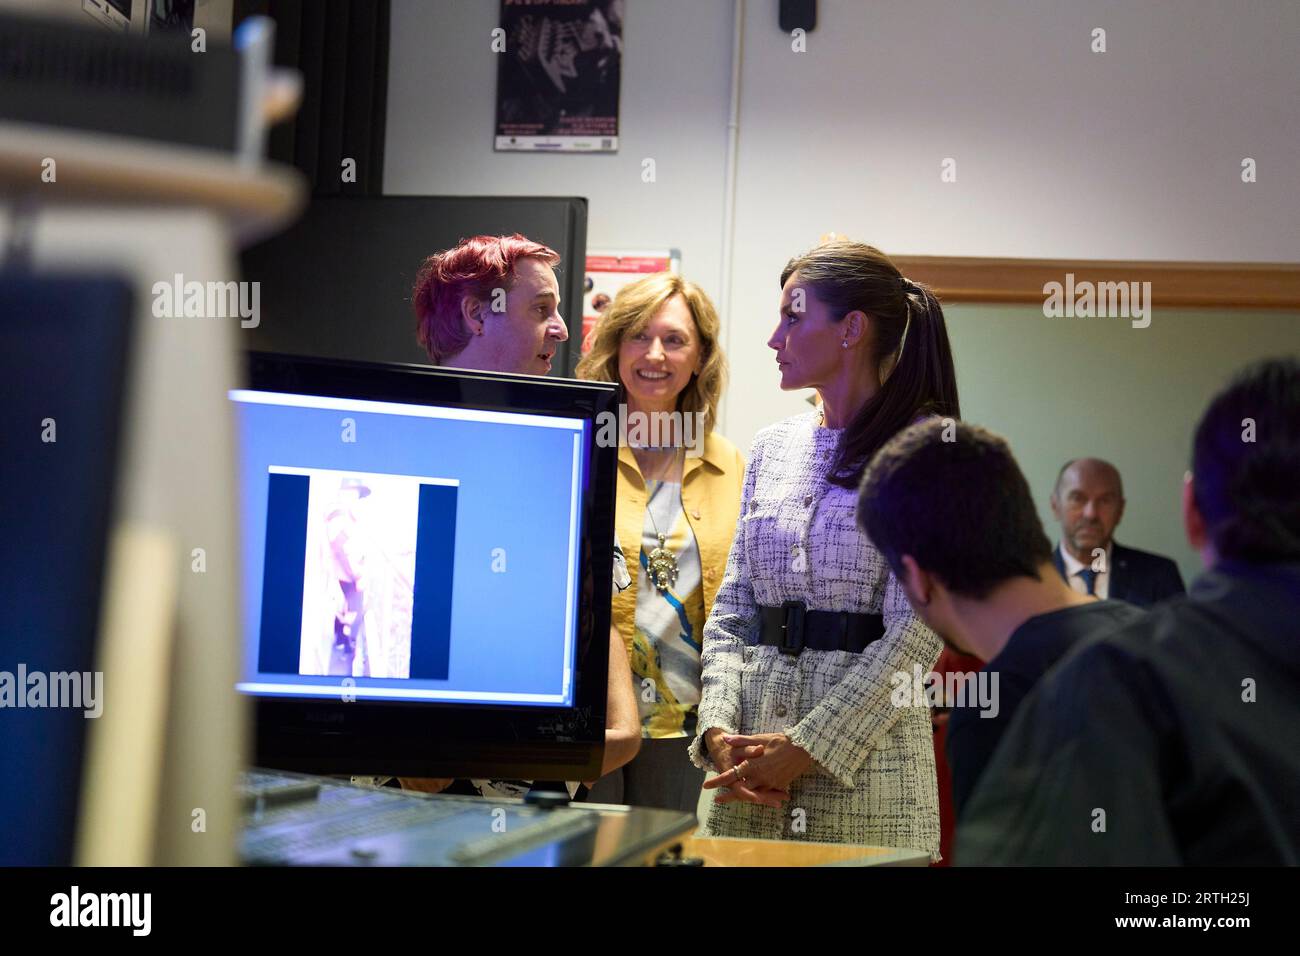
x,y
337,284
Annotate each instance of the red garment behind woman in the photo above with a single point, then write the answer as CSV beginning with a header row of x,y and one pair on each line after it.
x,y
949,662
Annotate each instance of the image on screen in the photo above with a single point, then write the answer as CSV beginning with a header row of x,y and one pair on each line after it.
x,y
359,578
399,552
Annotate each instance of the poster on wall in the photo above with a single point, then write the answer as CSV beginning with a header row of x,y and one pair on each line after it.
x,y
558,69
609,271
113,14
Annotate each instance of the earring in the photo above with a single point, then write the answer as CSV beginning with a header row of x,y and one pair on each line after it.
x,y
844,344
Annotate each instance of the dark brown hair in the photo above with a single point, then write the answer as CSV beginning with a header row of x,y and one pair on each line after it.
x,y
1246,465
952,496
918,380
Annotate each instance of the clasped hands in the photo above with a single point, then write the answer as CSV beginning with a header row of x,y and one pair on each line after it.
x,y
757,768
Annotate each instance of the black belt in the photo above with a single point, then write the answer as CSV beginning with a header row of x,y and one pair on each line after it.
x,y
792,627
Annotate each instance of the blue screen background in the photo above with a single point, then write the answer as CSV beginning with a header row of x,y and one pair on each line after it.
x,y
516,493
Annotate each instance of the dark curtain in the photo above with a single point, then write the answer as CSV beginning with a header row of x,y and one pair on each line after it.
x,y
341,49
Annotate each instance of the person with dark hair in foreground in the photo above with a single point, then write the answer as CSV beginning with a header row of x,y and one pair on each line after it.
x,y
1176,740
949,508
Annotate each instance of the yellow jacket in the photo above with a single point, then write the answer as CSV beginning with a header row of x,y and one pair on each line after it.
x,y
711,485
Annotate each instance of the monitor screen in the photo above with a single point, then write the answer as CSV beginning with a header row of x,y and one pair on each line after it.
x,y
392,545
415,546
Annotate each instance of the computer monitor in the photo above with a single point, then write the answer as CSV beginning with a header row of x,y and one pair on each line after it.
x,y
426,569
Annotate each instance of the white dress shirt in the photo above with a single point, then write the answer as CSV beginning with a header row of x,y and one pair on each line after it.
x,y
1100,587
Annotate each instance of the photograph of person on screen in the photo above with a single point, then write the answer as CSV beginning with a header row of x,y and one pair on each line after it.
x,y
358,580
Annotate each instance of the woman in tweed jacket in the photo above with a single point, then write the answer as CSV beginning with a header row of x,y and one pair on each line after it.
x,y
821,745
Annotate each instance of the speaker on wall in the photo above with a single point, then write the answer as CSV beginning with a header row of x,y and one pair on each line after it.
x,y
798,15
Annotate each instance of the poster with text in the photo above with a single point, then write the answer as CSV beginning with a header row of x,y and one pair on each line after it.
x,y
609,271
559,63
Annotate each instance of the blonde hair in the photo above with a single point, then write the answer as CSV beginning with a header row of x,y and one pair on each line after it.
x,y
632,310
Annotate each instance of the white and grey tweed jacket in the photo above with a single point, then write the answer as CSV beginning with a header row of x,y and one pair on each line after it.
x,y
797,539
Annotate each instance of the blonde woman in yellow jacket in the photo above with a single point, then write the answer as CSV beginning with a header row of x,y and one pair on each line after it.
x,y
679,486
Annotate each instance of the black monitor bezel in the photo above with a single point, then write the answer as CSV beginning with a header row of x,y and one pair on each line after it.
x,y
456,740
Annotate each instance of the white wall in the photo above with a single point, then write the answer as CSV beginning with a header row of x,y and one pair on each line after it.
x,y
1130,154
1061,152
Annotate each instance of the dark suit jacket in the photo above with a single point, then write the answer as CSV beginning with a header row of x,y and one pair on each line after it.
x,y
1139,577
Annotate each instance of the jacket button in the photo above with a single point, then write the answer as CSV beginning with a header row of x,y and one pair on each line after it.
x,y
807,500
780,710
696,514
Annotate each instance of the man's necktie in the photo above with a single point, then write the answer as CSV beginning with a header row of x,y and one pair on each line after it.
x,y
1089,580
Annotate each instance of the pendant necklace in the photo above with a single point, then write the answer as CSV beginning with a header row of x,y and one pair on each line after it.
x,y
662,563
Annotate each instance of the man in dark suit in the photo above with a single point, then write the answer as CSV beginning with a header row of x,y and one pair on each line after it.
x,y
1088,501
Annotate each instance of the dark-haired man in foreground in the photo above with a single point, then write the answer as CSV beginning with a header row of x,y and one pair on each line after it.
x,y
948,506
1176,740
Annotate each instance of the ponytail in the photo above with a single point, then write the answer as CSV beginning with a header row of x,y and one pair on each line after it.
x,y
909,342
921,381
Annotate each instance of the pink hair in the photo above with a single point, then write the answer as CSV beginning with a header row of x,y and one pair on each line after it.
x,y
473,267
